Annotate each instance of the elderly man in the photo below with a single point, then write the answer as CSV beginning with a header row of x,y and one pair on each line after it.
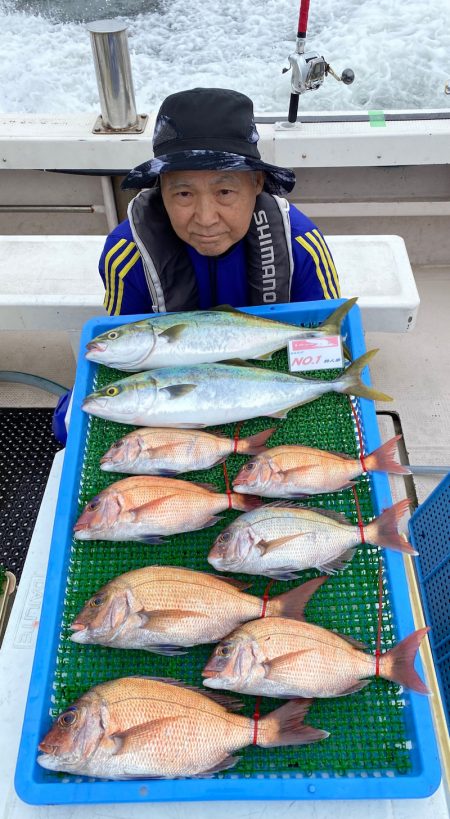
x,y
210,225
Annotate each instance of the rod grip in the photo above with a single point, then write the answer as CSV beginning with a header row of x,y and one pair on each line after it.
x,y
293,108
303,18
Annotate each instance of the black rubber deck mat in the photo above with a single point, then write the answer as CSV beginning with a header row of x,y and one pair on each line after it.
x,y
27,449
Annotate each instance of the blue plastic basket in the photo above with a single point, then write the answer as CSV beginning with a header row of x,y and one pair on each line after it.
x,y
429,530
32,783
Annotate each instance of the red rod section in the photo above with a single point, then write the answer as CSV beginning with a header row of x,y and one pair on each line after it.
x,y
303,18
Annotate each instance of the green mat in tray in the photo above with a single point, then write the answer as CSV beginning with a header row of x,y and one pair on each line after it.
x,y
381,741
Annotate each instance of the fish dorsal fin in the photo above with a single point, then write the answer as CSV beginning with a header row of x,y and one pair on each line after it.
x,y
239,362
329,513
238,584
230,703
173,333
264,357
341,455
209,486
351,640
283,504
227,308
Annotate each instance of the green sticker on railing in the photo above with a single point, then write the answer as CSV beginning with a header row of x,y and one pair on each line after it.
x,y
376,119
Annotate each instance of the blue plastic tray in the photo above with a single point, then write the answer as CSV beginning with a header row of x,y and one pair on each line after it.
x,y
30,781
429,530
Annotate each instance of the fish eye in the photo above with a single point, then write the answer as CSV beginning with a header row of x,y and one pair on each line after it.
x,y
96,601
112,391
94,504
224,651
224,537
251,465
113,335
68,718
118,444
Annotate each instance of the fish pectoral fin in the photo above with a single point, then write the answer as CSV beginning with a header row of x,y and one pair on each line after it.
x,y
152,508
280,668
266,546
177,390
164,620
340,562
173,333
134,739
158,451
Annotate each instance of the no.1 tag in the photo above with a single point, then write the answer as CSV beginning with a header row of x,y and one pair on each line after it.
x,y
315,353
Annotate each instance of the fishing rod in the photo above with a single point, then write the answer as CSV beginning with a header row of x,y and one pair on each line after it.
x,y
309,68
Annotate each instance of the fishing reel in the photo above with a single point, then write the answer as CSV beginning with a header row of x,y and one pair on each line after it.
x,y
309,70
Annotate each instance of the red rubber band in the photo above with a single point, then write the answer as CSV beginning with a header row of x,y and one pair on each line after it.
x,y
360,520
380,563
380,617
360,438
227,486
256,717
265,598
236,437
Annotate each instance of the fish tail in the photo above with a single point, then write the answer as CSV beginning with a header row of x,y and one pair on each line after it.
x,y
245,503
332,325
350,381
292,603
383,459
286,726
383,530
397,664
254,444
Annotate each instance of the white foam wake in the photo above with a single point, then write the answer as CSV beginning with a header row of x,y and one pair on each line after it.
x,y
399,52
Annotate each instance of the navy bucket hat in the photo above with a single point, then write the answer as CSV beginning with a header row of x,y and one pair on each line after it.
x,y
207,129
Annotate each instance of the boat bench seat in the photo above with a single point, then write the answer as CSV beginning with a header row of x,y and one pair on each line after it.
x,y
52,282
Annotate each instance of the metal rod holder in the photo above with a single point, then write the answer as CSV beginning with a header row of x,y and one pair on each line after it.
x,y
109,43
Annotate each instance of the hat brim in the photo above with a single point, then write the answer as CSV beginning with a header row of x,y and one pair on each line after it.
x,y
277,180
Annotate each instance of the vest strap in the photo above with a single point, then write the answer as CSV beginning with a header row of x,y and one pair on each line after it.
x,y
170,274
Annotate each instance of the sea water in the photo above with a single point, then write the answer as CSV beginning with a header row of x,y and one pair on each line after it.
x,y
399,51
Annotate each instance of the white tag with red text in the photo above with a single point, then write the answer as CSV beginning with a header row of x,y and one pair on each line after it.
x,y
315,353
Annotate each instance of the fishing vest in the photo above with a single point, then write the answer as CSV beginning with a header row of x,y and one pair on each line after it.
x,y
169,271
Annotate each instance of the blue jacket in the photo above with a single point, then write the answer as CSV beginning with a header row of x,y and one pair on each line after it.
x,y
220,280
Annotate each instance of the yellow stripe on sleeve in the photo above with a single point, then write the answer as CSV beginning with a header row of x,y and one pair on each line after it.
x,y
302,241
331,266
108,257
319,247
122,275
126,252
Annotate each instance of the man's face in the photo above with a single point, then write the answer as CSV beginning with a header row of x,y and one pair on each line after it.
x,y
211,210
